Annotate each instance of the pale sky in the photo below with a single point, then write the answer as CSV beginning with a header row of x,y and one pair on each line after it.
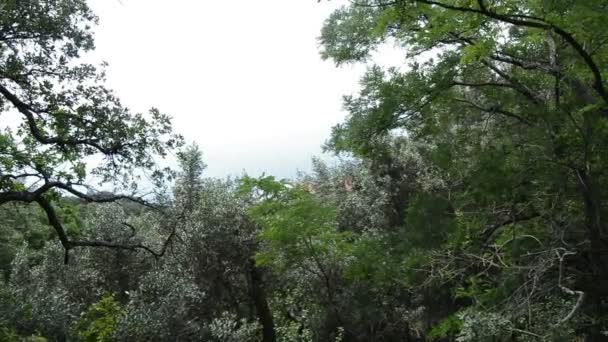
x,y
241,78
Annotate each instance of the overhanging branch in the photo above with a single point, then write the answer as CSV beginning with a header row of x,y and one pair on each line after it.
x,y
42,138
38,196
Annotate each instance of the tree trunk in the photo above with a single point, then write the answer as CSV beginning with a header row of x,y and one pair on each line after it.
x,y
258,296
595,228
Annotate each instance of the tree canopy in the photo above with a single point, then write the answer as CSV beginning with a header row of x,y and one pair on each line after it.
x,y
69,124
507,102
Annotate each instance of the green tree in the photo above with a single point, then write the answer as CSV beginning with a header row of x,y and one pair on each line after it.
x,y
66,117
189,182
99,321
506,100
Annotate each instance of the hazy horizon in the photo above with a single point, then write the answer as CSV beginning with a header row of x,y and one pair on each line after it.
x,y
255,94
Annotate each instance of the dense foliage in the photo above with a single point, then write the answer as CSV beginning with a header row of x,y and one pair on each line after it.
x,y
468,203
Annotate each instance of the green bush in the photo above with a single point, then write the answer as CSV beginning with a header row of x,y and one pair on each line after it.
x,y
99,321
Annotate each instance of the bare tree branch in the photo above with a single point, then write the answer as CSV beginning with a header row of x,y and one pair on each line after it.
x,y
494,110
580,294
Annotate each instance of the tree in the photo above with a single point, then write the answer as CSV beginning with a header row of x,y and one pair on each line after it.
x,y
66,118
218,242
507,101
189,182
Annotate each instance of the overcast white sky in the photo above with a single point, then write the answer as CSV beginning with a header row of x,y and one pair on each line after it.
x,y
242,78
